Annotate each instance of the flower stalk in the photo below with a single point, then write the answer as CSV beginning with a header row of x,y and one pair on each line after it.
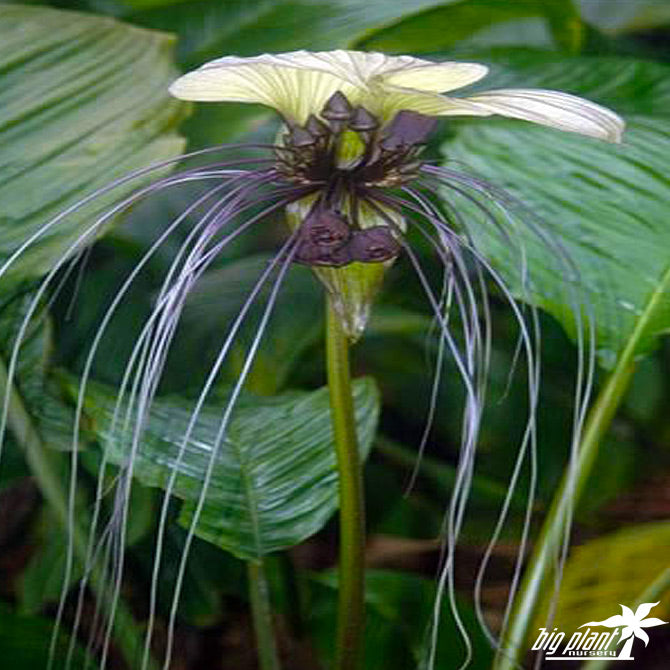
x,y
351,604
262,615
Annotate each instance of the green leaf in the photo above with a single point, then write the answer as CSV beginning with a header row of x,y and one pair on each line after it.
x,y
211,29
274,482
399,608
25,642
592,588
52,417
217,299
606,205
42,579
83,101
450,24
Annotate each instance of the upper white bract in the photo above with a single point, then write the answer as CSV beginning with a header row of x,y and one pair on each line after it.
x,y
299,83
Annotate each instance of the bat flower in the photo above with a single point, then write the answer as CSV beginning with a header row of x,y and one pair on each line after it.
x,y
347,171
354,126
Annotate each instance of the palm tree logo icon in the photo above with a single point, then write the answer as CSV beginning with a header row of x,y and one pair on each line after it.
x,y
633,624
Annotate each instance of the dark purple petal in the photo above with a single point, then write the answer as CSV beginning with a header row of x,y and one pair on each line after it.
x,y
337,108
362,121
407,129
309,253
325,228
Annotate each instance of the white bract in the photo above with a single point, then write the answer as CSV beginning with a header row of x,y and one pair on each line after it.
x,y
299,83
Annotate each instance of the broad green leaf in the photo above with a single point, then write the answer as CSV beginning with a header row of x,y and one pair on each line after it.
x,y
607,206
51,416
83,102
218,298
399,608
274,481
201,602
592,588
210,29
296,324
451,24
25,643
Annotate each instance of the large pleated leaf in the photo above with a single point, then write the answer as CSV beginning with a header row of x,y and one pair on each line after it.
x,y
604,208
83,101
274,481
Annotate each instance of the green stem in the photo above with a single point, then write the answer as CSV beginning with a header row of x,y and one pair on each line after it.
x,y
351,605
47,467
541,566
262,613
292,594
